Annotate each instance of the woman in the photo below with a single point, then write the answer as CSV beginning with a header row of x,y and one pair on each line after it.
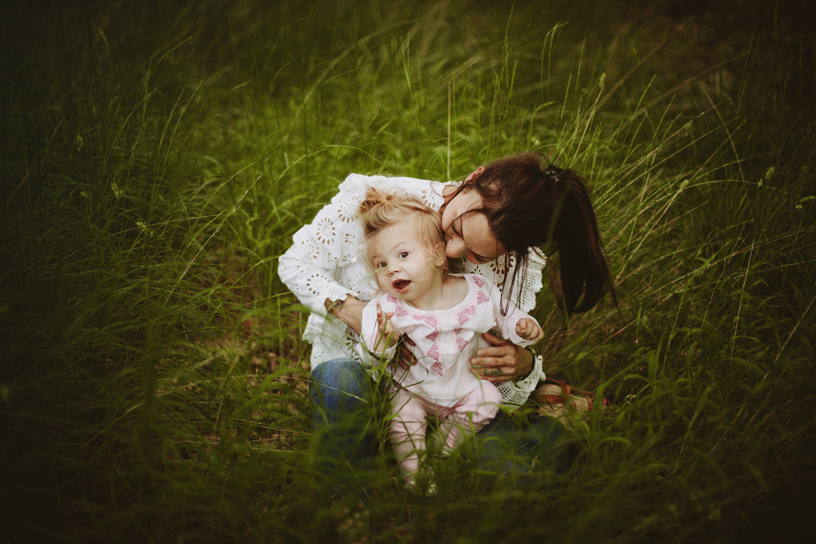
x,y
494,222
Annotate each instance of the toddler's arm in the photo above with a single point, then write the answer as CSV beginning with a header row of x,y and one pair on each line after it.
x,y
379,337
387,337
516,326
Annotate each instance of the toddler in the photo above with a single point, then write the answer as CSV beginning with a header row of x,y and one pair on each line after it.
x,y
443,314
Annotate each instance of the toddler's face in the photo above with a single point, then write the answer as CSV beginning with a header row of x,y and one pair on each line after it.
x,y
404,269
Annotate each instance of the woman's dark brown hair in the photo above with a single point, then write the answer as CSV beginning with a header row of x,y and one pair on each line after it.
x,y
528,206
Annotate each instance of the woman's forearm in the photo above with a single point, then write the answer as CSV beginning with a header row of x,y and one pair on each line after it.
x,y
310,283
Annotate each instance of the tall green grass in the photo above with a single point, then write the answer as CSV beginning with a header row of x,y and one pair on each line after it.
x,y
156,160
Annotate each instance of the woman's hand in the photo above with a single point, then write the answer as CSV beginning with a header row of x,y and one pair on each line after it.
x,y
502,361
404,357
349,311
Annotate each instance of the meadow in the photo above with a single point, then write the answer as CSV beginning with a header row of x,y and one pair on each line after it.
x,y
157,157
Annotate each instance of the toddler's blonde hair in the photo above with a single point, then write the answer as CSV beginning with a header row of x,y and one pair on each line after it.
x,y
381,210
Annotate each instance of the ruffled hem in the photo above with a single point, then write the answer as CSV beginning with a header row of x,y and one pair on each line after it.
x,y
514,394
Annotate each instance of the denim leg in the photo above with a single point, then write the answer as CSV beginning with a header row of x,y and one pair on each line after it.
x,y
343,426
507,447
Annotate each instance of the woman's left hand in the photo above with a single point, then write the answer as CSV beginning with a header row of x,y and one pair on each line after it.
x,y
404,356
501,361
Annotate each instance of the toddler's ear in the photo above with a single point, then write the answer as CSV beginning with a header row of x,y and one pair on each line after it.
x,y
439,258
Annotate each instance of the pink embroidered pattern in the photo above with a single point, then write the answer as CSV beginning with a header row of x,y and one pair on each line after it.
x,y
465,315
462,317
481,298
430,320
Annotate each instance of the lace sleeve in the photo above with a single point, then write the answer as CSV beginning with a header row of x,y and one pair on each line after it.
x,y
515,393
311,267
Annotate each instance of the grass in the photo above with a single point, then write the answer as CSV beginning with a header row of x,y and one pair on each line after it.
x,y
157,159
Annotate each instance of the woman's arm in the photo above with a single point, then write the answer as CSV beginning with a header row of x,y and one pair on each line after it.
x,y
319,253
312,283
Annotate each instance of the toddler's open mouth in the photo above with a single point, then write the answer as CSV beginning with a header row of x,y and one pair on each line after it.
x,y
401,285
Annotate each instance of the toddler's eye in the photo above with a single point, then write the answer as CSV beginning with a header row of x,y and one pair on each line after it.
x,y
403,254
381,265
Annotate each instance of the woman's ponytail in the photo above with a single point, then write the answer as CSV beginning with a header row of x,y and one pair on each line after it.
x,y
575,237
528,207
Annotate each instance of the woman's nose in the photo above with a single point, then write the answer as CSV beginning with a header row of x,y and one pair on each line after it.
x,y
455,248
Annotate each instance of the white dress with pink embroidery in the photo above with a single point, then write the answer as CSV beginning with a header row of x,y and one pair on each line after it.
x,y
445,340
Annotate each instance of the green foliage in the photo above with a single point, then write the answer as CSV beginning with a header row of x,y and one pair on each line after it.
x,y
157,158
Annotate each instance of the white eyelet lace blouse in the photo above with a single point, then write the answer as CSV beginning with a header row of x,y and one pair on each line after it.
x,y
326,262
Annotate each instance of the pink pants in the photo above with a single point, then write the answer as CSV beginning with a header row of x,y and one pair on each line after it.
x,y
408,426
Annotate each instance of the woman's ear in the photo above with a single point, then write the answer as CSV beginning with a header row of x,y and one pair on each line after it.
x,y
472,177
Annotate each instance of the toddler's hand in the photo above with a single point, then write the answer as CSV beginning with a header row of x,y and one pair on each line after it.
x,y
529,330
388,336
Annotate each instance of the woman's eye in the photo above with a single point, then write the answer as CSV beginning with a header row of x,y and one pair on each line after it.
x,y
479,260
457,229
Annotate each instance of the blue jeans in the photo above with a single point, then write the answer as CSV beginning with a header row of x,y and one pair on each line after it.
x,y
344,434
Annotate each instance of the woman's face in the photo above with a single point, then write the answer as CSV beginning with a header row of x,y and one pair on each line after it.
x,y
468,234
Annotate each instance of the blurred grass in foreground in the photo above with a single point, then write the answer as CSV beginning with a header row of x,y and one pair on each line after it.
x,y
156,160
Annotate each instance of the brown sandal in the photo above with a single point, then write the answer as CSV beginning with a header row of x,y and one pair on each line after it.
x,y
557,399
